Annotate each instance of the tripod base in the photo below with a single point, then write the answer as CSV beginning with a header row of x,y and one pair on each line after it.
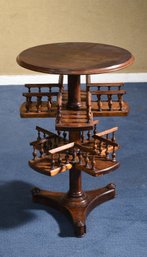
x,y
77,207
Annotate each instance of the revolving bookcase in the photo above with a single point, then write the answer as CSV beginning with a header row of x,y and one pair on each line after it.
x,y
77,146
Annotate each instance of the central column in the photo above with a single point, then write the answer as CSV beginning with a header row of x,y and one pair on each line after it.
x,y
74,103
74,94
75,180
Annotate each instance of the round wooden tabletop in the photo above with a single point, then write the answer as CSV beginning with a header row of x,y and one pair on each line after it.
x,y
75,58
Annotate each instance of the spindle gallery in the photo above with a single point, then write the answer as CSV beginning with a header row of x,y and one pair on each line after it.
x,y
77,145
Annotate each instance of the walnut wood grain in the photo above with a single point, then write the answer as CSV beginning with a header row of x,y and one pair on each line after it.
x,y
75,58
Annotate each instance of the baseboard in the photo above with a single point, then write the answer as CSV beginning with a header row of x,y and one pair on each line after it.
x,y
109,77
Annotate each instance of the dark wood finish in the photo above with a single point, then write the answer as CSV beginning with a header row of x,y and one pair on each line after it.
x,y
75,148
75,58
74,94
76,207
42,103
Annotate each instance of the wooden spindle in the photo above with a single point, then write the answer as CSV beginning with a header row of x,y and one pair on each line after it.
x,y
99,102
52,162
28,103
107,151
34,153
87,161
89,106
93,162
39,135
38,105
39,89
64,135
89,135
82,136
80,157
41,150
114,154
59,159
110,102
49,103
88,79
120,100
67,156
113,137
99,148
74,154
95,130
59,115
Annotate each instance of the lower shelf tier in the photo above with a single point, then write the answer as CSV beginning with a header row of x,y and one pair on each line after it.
x,y
77,208
101,166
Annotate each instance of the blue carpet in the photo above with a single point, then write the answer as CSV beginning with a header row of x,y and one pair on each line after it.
x,y
118,228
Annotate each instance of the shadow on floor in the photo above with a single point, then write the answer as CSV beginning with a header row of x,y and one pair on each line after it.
x,y
18,209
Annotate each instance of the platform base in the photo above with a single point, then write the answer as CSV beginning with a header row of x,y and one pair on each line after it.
x,y
76,207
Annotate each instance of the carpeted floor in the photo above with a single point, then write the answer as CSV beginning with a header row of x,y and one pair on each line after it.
x,y
117,228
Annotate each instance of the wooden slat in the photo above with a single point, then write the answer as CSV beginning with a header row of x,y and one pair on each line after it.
x,y
108,92
106,132
62,148
105,84
42,85
37,94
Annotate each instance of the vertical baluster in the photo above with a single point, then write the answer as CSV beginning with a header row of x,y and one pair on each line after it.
x,y
59,159
39,89
95,130
110,102
87,161
74,154
59,134
38,105
113,137
67,156
34,153
80,157
28,103
99,148
64,135
41,150
120,100
29,89
59,115
39,135
52,162
93,162
50,89
107,151
89,135
95,147
114,154
49,102
99,102
82,136
89,106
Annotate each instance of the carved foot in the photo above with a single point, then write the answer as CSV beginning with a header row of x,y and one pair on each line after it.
x,y
80,229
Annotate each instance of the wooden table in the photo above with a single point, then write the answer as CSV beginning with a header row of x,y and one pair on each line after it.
x,y
74,60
